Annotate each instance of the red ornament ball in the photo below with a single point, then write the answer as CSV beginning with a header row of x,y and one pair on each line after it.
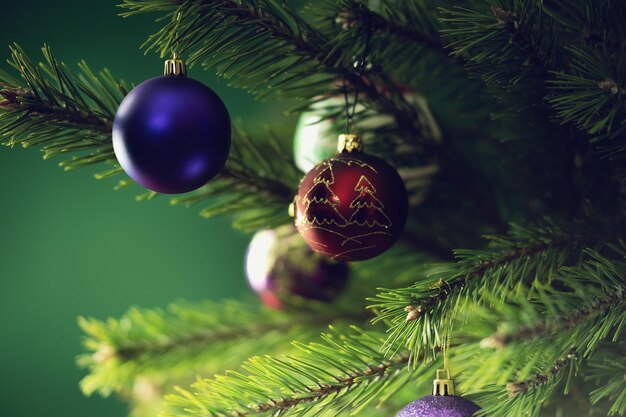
x,y
351,207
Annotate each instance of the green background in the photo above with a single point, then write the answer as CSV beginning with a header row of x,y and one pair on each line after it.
x,y
71,246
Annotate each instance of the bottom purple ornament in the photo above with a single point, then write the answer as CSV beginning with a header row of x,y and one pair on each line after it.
x,y
281,268
439,406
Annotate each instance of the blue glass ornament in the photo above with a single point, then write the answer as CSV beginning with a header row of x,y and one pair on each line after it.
x,y
172,134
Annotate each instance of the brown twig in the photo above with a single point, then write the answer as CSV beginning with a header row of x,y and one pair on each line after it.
x,y
316,393
17,98
522,387
416,311
599,305
131,351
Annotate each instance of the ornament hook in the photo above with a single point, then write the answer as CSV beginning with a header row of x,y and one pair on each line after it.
x,y
443,383
175,66
350,110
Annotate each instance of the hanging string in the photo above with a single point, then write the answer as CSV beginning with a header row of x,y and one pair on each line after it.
x,y
175,45
448,322
446,348
349,116
175,66
361,65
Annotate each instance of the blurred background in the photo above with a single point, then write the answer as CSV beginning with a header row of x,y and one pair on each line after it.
x,y
70,245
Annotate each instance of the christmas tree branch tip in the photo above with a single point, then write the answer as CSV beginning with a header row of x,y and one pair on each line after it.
x,y
599,306
506,253
176,343
522,387
343,371
540,254
72,113
299,60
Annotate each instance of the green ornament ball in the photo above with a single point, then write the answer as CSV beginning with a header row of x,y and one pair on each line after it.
x,y
315,136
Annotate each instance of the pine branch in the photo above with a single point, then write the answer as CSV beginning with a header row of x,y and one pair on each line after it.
x,y
528,49
608,371
505,46
59,111
67,113
597,281
525,398
252,330
591,96
187,339
308,384
21,100
344,372
344,383
481,268
409,21
525,257
522,387
599,306
148,351
277,52
544,374
519,36
270,187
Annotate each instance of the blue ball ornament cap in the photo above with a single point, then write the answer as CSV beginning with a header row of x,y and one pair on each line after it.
x,y
172,134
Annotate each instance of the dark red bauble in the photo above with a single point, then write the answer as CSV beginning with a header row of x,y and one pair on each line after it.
x,y
351,207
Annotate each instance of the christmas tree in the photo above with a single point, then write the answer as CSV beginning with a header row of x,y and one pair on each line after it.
x,y
507,120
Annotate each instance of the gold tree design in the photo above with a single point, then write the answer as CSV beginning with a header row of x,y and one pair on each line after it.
x,y
368,209
321,202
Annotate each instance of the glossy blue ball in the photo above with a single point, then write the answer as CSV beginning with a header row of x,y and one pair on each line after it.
x,y
172,134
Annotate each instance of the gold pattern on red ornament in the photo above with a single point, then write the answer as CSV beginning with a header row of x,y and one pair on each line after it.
x,y
352,206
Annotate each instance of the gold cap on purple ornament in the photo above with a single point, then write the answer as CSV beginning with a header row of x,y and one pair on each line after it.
x,y
175,66
443,383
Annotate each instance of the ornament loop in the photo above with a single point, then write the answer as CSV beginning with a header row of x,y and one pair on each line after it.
x,y
360,66
349,142
175,66
443,383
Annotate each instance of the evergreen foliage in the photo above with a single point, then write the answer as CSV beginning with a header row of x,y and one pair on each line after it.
x,y
168,343
514,109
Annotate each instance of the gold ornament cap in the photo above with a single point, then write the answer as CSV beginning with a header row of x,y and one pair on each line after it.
x,y
175,66
349,142
443,383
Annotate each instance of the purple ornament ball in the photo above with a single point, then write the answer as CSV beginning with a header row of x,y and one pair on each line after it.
x,y
172,134
439,406
280,268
